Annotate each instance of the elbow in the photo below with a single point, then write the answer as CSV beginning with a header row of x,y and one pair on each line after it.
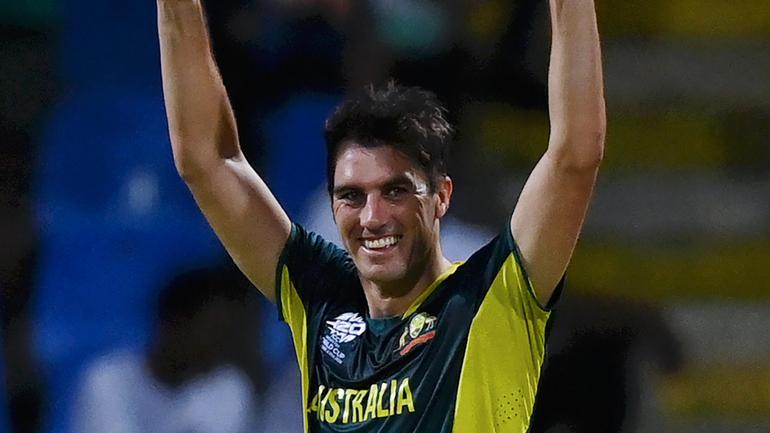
x,y
585,154
196,168
197,153
592,154
189,167
189,172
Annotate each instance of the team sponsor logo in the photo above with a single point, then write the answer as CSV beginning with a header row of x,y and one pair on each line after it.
x,y
343,329
420,329
352,406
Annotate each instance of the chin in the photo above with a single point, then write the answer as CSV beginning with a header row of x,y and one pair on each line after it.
x,y
382,274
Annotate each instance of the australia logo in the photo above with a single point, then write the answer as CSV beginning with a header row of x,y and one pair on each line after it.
x,y
420,329
342,329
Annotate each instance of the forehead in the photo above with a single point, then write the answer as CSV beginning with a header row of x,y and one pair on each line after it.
x,y
374,165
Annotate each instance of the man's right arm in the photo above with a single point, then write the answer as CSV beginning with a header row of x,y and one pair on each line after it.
x,y
236,202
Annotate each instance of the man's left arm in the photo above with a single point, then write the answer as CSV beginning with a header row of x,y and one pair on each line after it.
x,y
549,215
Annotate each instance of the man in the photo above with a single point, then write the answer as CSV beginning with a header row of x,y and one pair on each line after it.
x,y
390,336
191,377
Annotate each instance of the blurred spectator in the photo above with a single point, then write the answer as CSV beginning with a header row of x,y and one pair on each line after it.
x,y
599,353
115,222
201,372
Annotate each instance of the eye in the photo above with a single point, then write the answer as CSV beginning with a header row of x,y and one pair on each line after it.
x,y
396,191
350,197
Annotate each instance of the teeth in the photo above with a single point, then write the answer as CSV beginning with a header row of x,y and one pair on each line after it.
x,y
381,242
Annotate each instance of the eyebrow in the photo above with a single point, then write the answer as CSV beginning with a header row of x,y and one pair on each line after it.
x,y
400,179
344,188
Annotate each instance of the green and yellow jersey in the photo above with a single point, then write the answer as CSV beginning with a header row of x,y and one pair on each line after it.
x,y
464,358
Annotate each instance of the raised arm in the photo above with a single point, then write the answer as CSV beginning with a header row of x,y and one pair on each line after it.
x,y
549,215
236,202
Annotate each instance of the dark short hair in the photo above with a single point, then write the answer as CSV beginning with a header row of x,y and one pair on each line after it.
x,y
410,119
188,292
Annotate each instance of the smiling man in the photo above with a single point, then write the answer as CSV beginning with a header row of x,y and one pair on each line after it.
x,y
390,336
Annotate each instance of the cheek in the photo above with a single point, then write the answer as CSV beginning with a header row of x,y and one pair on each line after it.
x,y
345,220
415,219
425,214
425,224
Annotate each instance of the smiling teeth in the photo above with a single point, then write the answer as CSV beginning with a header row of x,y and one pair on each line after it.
x,y
381,242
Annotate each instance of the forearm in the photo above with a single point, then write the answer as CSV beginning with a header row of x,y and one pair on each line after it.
x,y
201,121
575,85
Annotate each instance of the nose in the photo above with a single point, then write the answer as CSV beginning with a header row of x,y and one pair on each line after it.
x,y
374,213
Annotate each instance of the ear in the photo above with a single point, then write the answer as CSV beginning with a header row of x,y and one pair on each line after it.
x,y
444,193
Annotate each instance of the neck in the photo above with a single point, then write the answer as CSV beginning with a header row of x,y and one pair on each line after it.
x,y
394,298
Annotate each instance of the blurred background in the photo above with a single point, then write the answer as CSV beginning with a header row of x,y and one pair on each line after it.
x,y
666,323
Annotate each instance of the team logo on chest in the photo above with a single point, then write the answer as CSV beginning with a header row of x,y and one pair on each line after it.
x,y
420,329
343,329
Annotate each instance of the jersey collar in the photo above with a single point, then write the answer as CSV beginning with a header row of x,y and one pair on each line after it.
x,y
427,292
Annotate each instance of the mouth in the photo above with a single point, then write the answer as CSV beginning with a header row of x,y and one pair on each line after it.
x,y
381,244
